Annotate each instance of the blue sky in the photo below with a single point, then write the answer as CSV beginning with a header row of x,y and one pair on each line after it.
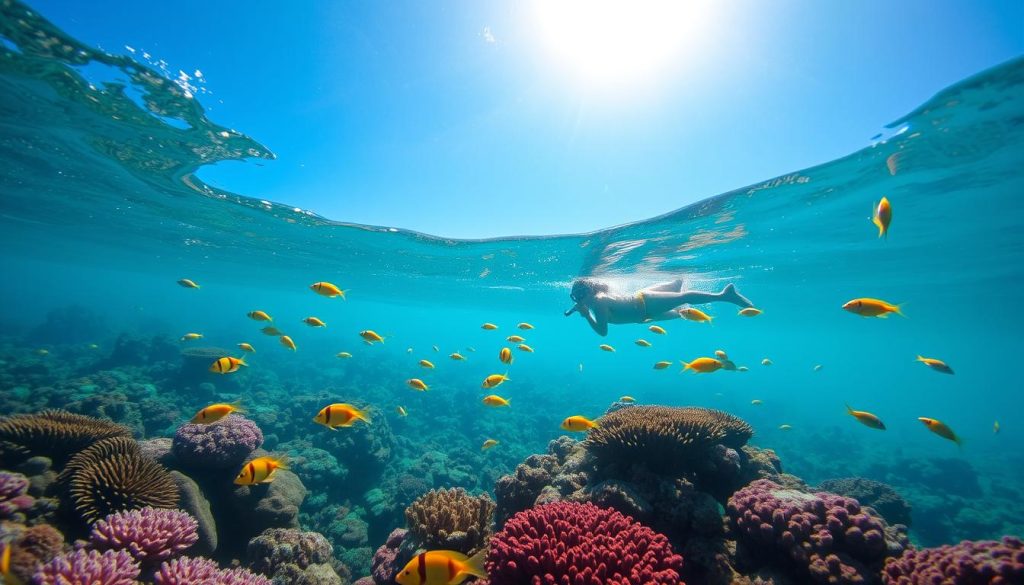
x,y
479,119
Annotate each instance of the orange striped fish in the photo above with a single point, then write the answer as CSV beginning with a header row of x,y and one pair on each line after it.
x,y
505,355
328,290
260,470
215,412
340,415
442,567
227,365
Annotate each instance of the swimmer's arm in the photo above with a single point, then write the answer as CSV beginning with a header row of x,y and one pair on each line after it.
x,y
598,319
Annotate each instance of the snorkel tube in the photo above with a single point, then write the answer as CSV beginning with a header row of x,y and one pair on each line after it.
x,y
572,310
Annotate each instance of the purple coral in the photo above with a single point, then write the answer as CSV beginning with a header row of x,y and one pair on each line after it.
x,y
89,567
827,537
13,496
389,558
186,571
987,562
223,444
241,577
151,535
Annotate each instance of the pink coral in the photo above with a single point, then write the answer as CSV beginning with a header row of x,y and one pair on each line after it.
x,y
223,444
186,571
568,543
89,567
151,535
13,497
987,562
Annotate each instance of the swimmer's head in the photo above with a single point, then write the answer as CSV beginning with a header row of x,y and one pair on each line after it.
x,y
585,288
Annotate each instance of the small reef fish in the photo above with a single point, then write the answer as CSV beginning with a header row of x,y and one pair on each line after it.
x,y
259,316
515,339
328,290
662,365
191,336
457,357
188,283
692,314
525,326
657,329
287,342
995,428
488,444
750,312
488,326
495,400
401,411
442,567
720,354
578,424
581,367
817,368
370,337
471,349
743,369
866,307
408,350
495,380
227,365
43,352
643,343
5,565
606,347
937,365
941,429
417,384
260,470
892,162
524,347
505,355
436,349
866,418
785,427
247,347
627,399
215,412
93,346
314,322
766,362
881,216
343,354
337,415
427,364
756,402
703,365
272,331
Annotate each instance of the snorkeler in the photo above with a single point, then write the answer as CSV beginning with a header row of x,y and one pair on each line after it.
x,y
654,303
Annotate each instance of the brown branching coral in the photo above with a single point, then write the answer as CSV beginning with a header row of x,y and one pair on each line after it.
x,y
34,546
111,476
56,434
451,519
664,438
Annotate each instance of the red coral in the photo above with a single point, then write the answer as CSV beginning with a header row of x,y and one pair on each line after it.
x,y
567,543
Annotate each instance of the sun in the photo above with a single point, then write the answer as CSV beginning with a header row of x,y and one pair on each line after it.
x,y
618,43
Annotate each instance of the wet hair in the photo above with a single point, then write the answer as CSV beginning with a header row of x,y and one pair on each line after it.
x,y
582,287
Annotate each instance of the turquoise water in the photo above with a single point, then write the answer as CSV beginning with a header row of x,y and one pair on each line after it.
x,y
101,210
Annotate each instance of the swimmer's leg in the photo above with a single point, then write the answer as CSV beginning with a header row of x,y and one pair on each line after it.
x,y
661,302
672,286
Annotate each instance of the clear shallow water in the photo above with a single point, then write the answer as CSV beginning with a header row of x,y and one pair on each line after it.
x,y
101,208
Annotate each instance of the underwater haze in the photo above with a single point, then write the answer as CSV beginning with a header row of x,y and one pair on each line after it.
x,y
101,213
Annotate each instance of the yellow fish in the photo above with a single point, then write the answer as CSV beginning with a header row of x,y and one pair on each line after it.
x,y
488,444
314,322
247,347
495,400
662,365
427,364
328,290
643,343
494,380
287,342
881,216
260,470
692,314
939,428
525,326
337,415
750,312
505,355
756,402
866,307
343,354
191,336
703,365
656,329
524,347
866,418
442,567
417,384
720,354
937,365
785,427
606,347
215,412
401,411
766,362
515,339
272,331
227,365
370,337
457,357
627,399
489,326
188,283
578,424
5,566
995,428
259,316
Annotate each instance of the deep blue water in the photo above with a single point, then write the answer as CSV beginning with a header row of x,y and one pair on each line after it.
x,y
100,208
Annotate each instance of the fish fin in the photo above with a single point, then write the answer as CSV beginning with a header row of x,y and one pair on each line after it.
x,y
959,442
368,342
341,293
241,362
881,228
282,463
920,358
361,415
883,316
332,428
848,409
474,566
686,366
237,405
899,310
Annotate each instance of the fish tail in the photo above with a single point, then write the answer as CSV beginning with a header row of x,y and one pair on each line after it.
x,y
361,415
237,405
881,228
848,409
898,309
341,293
241,362
474,565
959,442
282,462
686,366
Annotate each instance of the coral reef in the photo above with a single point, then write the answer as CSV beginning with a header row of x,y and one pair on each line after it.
x,y
582,544
451,520
32,547
53,433
987,562
224,444
294,557
201,571
391,556
14,498
882,497
89,567
151,535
